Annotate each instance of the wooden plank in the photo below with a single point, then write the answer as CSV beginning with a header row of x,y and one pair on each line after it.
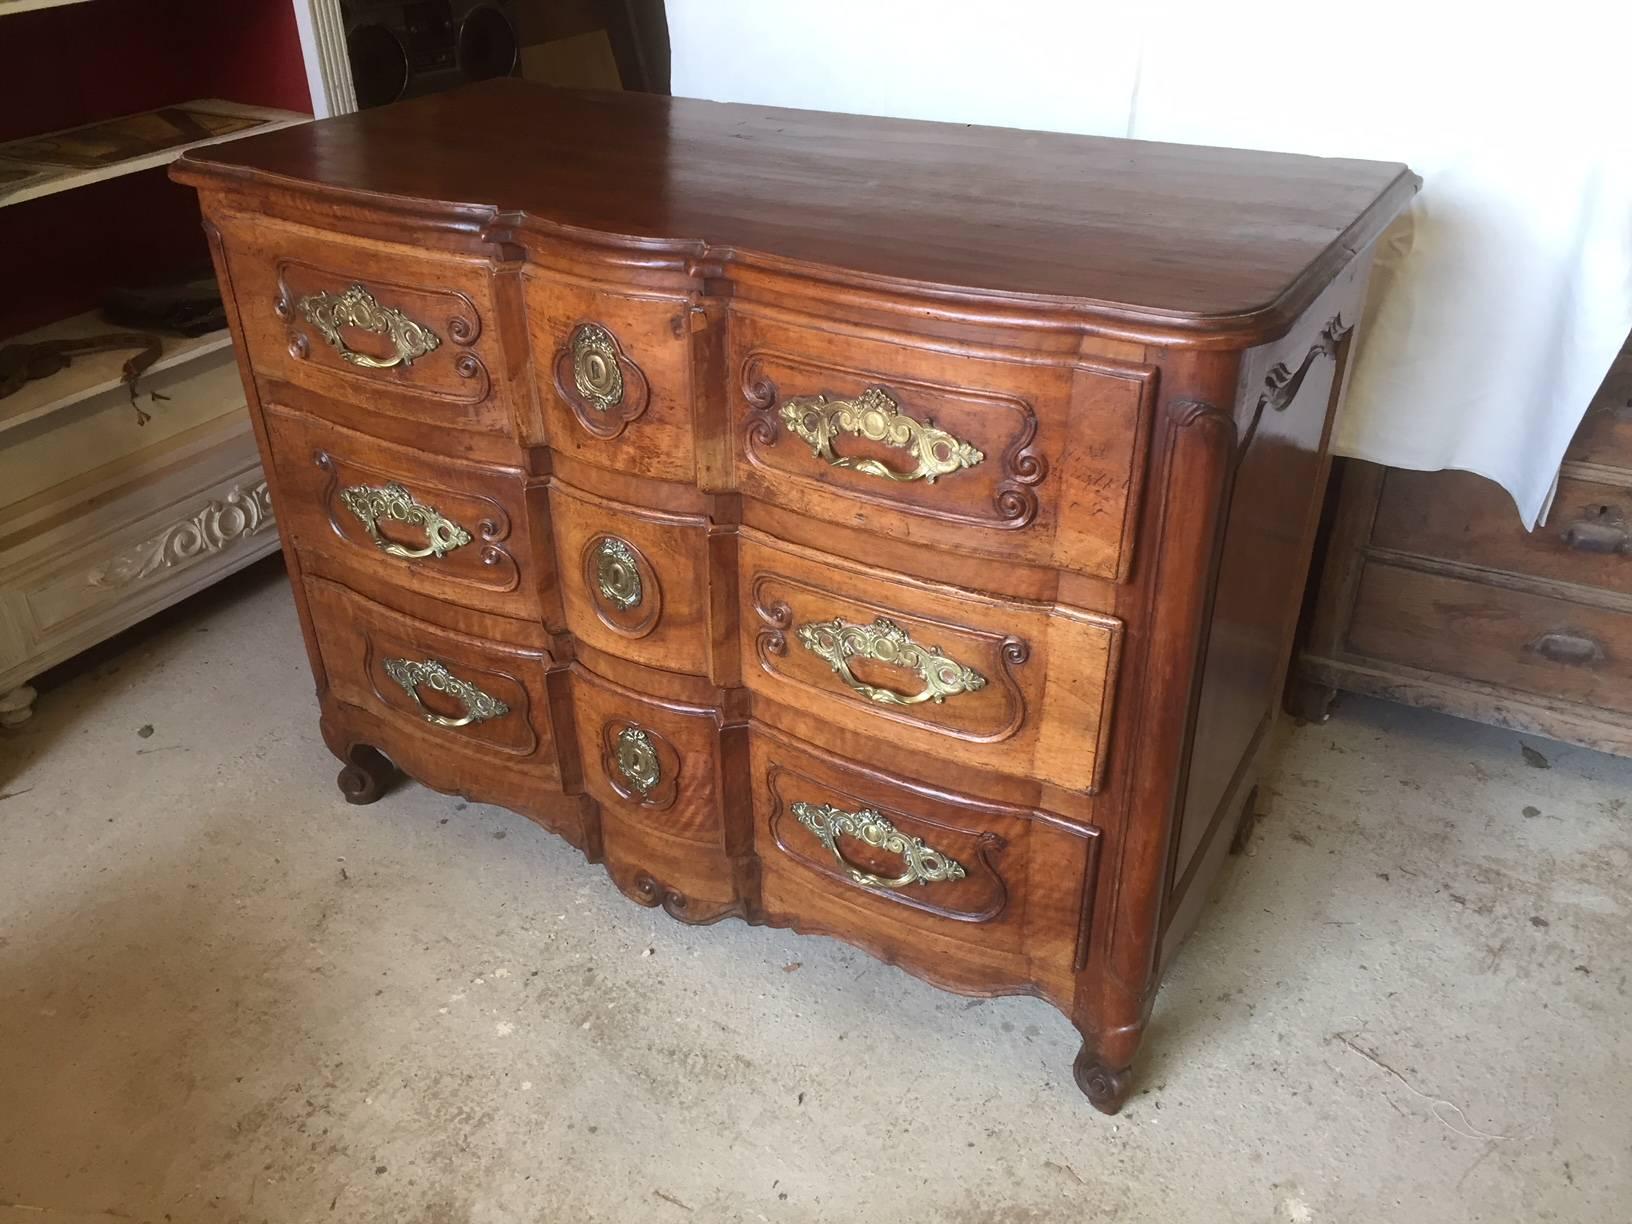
x,y
94,373
36,166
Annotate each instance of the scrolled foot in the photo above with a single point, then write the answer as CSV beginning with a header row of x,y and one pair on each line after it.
x,y
1105,1088
366,775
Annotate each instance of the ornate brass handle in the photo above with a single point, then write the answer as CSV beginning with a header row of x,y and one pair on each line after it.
x,y
877,417
434,675
837,642
924,865
357,307
370,504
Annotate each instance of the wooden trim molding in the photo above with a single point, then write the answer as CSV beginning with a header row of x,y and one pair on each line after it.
x,y
322,30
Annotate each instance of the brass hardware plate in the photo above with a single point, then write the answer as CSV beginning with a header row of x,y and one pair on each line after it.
x,y
371,503
637,760
836,642
434,675
357,307
595,369
616,573
878,418
923,864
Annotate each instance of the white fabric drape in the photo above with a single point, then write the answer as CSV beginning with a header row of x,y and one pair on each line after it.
x,y
1498,301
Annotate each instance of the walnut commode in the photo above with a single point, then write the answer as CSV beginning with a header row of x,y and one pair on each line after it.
x,y
882,529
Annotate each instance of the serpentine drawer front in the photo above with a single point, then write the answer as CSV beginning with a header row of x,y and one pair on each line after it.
x,y
958,447
388,517
878,529
375,323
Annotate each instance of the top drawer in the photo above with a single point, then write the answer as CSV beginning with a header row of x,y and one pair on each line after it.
x,y
1030,457
372,323
1457,516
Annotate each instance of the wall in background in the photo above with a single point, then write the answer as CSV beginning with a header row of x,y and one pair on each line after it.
x,y
1506,291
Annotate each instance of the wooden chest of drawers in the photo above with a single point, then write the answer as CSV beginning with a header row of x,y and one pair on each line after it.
x,y
1433,593
881,529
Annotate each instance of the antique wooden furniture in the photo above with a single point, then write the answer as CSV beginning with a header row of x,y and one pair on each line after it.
x,y
883,529
1433,593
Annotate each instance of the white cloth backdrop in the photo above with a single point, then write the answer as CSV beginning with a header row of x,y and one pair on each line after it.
x,y
1498,302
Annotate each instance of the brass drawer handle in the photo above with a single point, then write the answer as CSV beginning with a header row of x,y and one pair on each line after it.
x,y
877,417
370,504
595,369
434,675
924,865
1570,648
357,307
837,642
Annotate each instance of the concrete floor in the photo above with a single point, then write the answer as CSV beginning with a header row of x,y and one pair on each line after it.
x,y
227,996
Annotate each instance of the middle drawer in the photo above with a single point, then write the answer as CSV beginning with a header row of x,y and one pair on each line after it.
x,y
1021,688
446,528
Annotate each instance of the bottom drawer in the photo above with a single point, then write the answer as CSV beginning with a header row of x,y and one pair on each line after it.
x,y
970,894
653,766
1492,635
473,715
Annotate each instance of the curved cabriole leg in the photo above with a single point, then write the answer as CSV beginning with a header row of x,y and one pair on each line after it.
x,y
1106,1088
366,774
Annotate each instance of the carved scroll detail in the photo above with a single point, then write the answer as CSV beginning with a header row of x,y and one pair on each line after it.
x,y
1282,384
242,513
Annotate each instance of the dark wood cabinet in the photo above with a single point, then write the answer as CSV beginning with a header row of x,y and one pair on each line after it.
x,y
881,529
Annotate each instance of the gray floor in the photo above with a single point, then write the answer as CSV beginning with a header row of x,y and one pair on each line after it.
x,y
227,996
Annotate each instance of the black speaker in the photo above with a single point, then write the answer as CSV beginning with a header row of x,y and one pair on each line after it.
x,y
403,48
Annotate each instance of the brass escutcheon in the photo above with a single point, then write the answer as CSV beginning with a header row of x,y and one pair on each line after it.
x,y
616,573
637,760
595,367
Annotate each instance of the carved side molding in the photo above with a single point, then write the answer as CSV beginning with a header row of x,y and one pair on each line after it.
x,y
1282,383
244,512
